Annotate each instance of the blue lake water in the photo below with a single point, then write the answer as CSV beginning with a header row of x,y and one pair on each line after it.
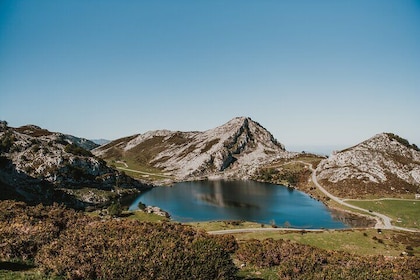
x,y
240,200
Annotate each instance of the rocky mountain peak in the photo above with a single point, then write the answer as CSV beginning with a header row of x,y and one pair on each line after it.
x,y
235,147
385,163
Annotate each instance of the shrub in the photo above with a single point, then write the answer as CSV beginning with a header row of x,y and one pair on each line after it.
x,y
227,242
133,250
70,245
24,230
78,151
298,261
6,141
403,141
115,209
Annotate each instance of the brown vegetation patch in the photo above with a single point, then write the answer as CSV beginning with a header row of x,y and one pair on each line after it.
x,y
33,131
144,152
209,145
118,142
70,245
298,261
354,188
177,139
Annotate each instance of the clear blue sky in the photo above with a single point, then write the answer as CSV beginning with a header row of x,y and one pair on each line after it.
x,y
311,72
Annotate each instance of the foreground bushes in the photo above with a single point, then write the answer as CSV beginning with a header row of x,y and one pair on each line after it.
x,y
24,230
132,250
71,245
297,261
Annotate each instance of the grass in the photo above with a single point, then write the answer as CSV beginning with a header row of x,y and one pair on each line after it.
x,y
253,272
405,213
221,225
19,270
145,172
360,242
21,275
144,217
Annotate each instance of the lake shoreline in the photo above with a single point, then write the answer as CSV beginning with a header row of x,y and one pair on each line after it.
x,y
264,203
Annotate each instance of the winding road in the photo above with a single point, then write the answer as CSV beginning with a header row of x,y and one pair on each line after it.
x,y
381,218
383,221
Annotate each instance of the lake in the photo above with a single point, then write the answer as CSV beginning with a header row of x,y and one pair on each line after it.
x,y
240,200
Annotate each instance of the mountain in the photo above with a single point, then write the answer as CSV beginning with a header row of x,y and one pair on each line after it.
x,y
100,142
234,149
36,131
385,165
37,165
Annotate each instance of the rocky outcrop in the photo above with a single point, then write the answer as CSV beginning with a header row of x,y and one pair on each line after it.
x,y
385,164
37,165
157,211
234,149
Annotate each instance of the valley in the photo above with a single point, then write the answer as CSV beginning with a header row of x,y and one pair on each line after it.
x,y
370,186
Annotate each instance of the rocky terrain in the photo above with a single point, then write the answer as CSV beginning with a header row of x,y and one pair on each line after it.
x,y
233,150
37,165
384,165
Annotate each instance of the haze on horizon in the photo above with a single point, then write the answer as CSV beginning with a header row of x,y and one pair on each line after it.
x,y
314,73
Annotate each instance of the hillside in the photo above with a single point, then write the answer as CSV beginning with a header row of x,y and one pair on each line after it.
x,y
37,165
234,149
384,165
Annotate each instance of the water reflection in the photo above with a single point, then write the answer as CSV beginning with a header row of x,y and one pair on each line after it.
x,y
239,200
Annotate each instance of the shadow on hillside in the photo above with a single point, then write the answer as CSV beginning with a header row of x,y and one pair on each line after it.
x,y
15,266
19,186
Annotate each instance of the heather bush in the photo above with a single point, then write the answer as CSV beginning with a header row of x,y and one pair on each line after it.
x,y
133,250
76,150
298,261
227,242
24,230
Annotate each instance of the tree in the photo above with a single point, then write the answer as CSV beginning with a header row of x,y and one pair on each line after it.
x,y
115,209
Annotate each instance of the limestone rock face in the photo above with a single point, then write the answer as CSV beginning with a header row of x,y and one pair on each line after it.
x,y
385,163
42,166
234,149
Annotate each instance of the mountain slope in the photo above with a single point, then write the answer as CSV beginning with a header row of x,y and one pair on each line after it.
x,y
384,165
37,165
36,131
234,149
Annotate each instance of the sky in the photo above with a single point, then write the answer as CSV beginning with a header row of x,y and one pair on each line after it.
x,y
314,73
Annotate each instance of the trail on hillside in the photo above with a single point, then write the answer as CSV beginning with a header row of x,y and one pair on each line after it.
x,y
381,218
383,221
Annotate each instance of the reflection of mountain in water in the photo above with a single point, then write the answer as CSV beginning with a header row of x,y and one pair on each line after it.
x,y
219,201
237,194
239,200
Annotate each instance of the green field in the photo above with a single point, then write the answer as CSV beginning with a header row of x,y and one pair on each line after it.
x,y
139,171
223,225
405,213
360,242
20,271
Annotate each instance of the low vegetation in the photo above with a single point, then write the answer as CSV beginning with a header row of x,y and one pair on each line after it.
x,y
52,242
403,141
67,244
405,213
292,172
144,173
363,242
290,260
78,151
